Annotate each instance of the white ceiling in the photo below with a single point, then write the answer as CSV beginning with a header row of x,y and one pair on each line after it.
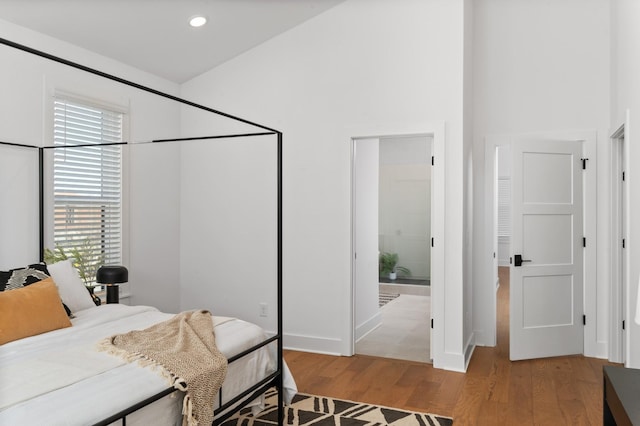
x,y
154,35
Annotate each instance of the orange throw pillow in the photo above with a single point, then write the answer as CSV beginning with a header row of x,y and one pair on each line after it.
x,y
31,310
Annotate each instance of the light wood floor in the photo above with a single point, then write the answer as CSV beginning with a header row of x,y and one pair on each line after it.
x,y
494,391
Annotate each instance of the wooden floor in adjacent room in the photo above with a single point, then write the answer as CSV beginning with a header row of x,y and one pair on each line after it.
x,y
494,391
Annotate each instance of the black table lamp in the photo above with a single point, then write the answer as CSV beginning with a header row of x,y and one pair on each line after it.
x,y
111,276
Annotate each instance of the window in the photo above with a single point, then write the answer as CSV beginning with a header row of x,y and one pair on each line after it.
x,y
87,185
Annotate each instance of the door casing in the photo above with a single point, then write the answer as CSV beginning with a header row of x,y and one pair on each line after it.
x,y
619,288
437,131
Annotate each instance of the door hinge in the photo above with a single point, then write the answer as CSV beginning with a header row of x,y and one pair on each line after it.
x,y
584,320
431,241
623,324
510,260
433,160
623,176
584,163
623,243
584,241
431,322
494,254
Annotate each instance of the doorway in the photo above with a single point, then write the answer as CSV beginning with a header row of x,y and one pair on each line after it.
x,y
392,216
619,261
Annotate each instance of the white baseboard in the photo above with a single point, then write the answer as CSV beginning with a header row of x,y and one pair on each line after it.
x,y
321,345
482,338
368,326
451,361
469,348
598,350
456,361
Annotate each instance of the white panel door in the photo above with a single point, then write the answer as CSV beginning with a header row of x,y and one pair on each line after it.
x,y
546,294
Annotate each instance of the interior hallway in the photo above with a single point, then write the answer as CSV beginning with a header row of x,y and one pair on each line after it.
x,y
493,391
404,332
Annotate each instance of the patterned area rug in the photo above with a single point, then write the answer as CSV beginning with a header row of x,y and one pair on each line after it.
x,y
384,298
323,411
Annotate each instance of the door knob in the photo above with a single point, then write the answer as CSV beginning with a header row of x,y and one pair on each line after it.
x,y
517,260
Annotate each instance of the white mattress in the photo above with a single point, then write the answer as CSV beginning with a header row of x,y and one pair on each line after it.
x,y
58,378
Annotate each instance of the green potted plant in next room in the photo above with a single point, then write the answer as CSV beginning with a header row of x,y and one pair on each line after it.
x,y
388,265
85,257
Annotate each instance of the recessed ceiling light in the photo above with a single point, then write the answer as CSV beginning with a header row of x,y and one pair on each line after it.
x,y
197,21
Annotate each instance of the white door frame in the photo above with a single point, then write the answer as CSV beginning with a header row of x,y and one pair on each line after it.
x,y
363,258
619,288
437,132
487,336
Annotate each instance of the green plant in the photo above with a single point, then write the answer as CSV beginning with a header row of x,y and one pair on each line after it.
x,y
388,263
85,258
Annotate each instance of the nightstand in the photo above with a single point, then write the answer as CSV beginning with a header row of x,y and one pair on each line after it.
x,y
621,402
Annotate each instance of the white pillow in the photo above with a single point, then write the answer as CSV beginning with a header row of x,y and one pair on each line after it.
x,y
72,290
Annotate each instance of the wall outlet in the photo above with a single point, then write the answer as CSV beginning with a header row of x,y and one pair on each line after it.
x,y
264,309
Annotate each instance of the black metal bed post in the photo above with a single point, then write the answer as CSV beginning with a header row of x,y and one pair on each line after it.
x,y
41,200
280,328
126,82
277,377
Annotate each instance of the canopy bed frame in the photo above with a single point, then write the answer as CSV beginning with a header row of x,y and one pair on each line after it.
x,y
226,409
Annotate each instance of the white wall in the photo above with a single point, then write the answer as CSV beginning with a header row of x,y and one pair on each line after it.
x,y
625,97
405,202
27,83
539,67
361,64
155,225
228,228
19,245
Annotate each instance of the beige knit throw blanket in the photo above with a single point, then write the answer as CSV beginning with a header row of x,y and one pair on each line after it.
x,y
184,350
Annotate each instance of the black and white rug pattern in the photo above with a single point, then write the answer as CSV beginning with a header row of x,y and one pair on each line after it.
x,y
384,298
315,410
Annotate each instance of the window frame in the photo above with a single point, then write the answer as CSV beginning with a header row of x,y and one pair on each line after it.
x,y
49,207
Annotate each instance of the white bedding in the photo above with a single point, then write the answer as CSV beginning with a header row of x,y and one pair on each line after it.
x,y
59,378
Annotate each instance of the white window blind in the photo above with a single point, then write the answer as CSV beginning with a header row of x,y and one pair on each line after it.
x,y
504,208
87,183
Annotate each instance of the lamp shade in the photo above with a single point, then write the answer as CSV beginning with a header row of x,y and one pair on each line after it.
x,y
112,275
